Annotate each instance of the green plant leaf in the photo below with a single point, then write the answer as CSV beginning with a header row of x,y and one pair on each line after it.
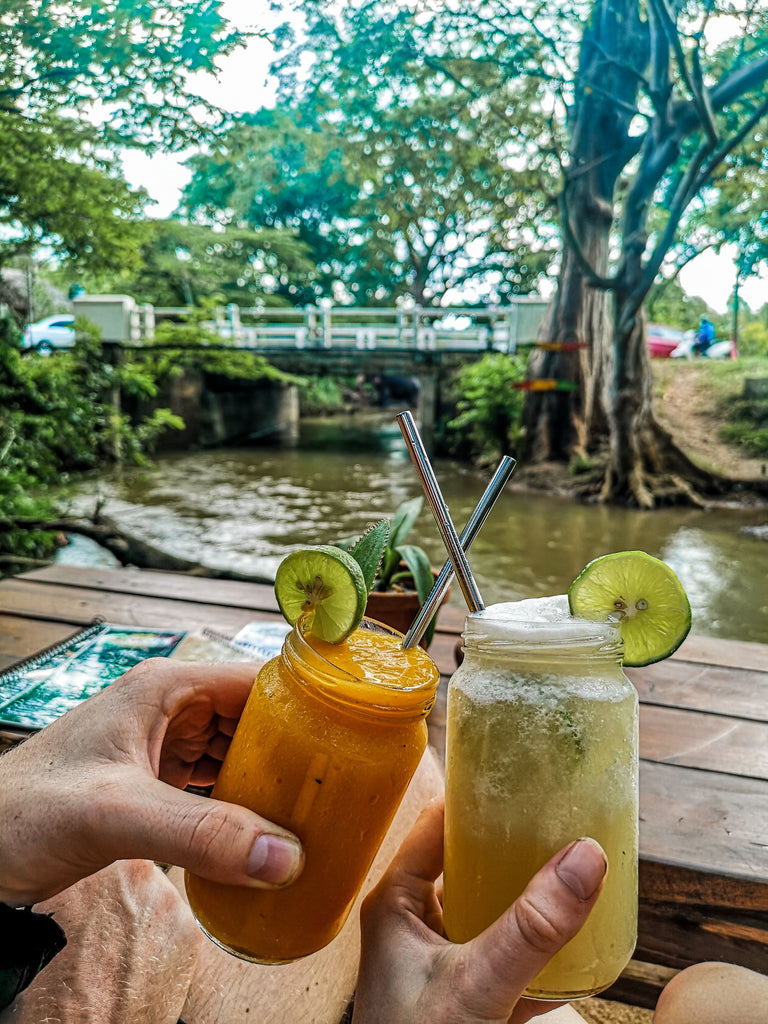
x,y
403,520
369,549
419,568
421,571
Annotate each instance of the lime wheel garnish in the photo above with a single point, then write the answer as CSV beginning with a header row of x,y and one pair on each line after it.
x,y
643,595
324,586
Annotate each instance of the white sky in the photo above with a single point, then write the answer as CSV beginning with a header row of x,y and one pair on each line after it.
x,y
242,85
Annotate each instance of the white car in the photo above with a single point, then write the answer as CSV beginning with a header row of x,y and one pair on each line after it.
x,y
54,332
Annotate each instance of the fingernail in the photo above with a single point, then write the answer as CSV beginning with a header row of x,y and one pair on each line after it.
x,y
274,859
582,867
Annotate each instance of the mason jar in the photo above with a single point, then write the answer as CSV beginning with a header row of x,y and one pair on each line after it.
x,y
542,749
326,746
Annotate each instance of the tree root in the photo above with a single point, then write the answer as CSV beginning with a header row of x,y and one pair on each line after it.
x,y
667,476
127,548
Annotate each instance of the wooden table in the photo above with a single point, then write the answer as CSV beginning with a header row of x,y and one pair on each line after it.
x,y
703,746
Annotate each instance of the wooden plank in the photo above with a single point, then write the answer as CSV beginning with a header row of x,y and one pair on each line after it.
x,y
703,650
451,619
704,919
158,584
21,636
707,821
640,984
442,652
703,832
230,593
734,690
714,742
79,606
710,650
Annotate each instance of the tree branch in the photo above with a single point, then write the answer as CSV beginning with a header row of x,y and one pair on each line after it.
x,y
127,548
693,81
698,173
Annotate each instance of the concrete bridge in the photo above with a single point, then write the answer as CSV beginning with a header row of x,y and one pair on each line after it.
x,y
342,339
382,343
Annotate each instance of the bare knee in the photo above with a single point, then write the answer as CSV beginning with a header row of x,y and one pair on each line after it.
x,y
711,993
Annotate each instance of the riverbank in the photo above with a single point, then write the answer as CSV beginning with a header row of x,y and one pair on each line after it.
x,y
690,402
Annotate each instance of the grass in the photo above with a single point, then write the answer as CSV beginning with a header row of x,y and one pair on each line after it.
x,y
747,418
721,385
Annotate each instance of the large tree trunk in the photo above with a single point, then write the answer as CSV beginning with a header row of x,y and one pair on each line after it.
x,y
562,422
616,163
631,428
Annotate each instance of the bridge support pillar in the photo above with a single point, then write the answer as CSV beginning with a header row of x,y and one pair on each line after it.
x,y
428,409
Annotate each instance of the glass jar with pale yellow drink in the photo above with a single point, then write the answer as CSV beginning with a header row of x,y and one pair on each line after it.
x,y
541,750
326,746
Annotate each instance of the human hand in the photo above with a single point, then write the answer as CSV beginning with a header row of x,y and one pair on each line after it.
x,y
410,973
132,946
98,785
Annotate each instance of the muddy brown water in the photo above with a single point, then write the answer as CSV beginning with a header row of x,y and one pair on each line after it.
x,y
245,508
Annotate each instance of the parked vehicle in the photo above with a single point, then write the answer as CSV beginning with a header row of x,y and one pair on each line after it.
x,y
53,332
663,340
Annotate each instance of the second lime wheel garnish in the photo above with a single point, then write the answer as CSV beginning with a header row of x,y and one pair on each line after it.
x,y
326,586
643,594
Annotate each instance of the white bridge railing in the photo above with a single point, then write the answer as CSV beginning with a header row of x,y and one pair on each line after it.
x,y
501,328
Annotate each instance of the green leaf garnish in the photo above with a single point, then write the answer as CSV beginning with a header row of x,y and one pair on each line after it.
x,y
369,549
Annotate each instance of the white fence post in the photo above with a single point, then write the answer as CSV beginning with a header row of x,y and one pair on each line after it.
x,y
233,316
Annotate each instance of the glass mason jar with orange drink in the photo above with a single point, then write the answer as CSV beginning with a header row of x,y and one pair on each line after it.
x,y
326,746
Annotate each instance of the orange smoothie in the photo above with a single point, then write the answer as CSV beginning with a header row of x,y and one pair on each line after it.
x,y
326,747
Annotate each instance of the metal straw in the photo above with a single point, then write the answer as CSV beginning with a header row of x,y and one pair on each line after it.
x,y
440,511
474,524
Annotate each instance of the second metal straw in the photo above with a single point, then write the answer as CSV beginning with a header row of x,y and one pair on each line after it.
x,y
474,523
440,511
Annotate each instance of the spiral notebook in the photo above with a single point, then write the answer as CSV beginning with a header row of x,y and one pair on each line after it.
x,y
37,690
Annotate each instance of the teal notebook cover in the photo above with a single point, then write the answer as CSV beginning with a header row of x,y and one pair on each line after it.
x,y
40,689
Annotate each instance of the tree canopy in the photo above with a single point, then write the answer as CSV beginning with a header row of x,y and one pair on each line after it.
x,y
78,82
397,181
183,264
637,112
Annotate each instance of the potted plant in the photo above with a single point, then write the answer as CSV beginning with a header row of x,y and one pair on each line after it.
x,y
404,576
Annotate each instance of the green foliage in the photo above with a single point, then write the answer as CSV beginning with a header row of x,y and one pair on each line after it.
x,y
753,338
59,414
393,551
78,82
397,178
278,174
200,348
57,417
417,573
368,551
186,264
58,190
668,304
398,566
130,58
748,426
321,395
490,410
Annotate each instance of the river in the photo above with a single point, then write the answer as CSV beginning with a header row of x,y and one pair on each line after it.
x,y
245,508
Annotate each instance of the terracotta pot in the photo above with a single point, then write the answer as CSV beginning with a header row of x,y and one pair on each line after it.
x,y
396,608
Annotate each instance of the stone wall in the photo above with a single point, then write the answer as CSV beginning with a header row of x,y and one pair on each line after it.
x,y
217,410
